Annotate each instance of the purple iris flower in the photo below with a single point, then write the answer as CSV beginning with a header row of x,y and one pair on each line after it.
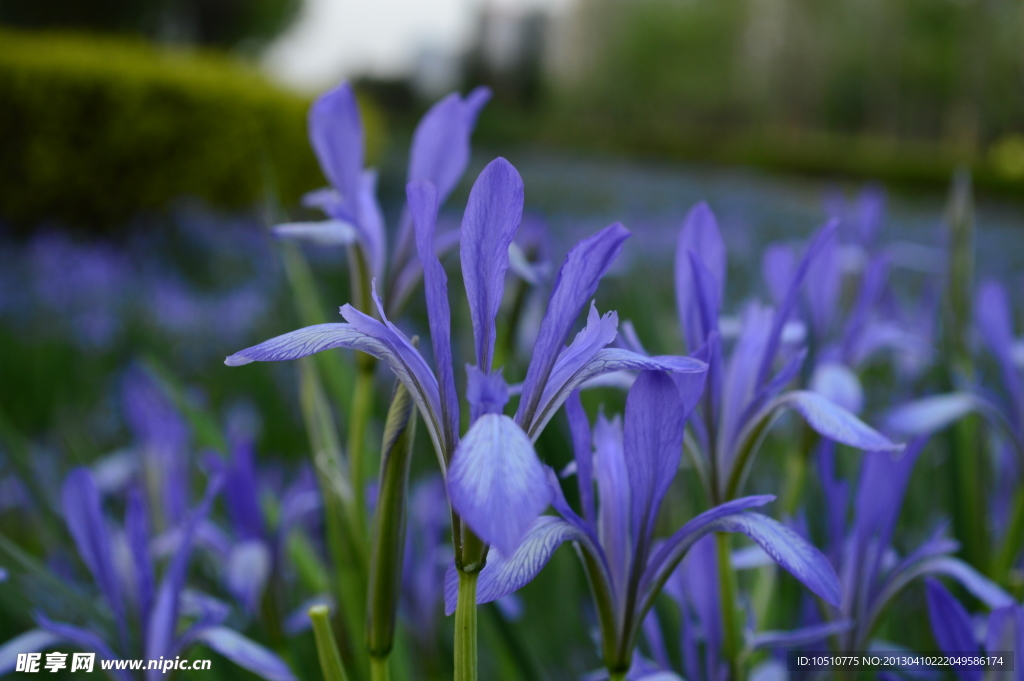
x,y
495,480
632,464
153,627
745,393
440,153
954,630
872,573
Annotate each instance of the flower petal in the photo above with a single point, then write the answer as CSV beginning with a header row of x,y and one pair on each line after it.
x,y
797,637
604,362
32,641
493,213
321,232
951,626
839,384
503,576
486,393
699,239
136,528
336,134
248,569
440,145
423,203
653,439
496,483
930,414
832,421
80,501
777,266
826,276
84,639
246,653
583,452
575,284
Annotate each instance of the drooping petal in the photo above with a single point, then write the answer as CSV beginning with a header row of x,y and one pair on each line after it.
x,y
672,550
492,216
575,284
440,145
246,653
503,576
789,550
32,641
336,134
839,384
84,639
583,452
930,414
951,626
832,421
653,438
321,232
604,362
423,204
699,239
496,483
80,501
366,335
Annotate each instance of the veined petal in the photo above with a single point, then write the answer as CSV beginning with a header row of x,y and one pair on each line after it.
x,y
423,204
604,362
80,500
951,625
493,213
246,653
672,550
930,414
440,145
368,335
653,439
613,511
575,284
832,421
839,384
700,240
336,134
321,232
503,576
496,483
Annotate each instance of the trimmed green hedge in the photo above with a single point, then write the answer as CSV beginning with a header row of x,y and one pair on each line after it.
x,y
97,129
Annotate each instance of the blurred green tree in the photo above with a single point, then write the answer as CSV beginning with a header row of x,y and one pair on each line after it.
x,y
245,24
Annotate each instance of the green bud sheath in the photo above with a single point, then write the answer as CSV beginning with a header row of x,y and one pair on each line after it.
x,y
388,538
327,650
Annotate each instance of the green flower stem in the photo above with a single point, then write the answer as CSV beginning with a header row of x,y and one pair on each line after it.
x,y
327,650
389,527
1013,541
359,418
380,669
730,622
617,676
465,628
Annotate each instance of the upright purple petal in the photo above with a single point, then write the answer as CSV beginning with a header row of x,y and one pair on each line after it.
x,y
247,570
136,528
701,578
653,439
995,321
575,284
486,393
370,222
492,216
80,501
700,237
826,276
423,204
777,266
788,303
496,483
951,626
245,653
1006,632
440,145
163,621
336,133
504,575
613,490
583,452
241,490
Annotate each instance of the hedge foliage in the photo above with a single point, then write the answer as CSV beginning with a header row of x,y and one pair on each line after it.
x,y
97,129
